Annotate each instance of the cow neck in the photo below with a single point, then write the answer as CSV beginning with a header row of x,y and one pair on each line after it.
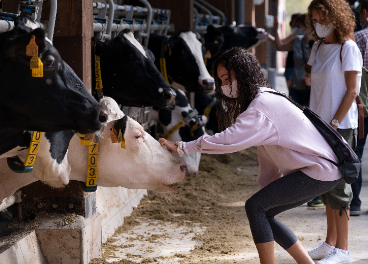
x,y
16,165
182,123
117,136
164,47
97,81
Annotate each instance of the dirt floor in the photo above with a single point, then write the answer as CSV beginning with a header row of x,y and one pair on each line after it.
x,y
215,200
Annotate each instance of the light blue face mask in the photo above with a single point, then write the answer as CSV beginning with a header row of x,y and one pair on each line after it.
x,y
298,31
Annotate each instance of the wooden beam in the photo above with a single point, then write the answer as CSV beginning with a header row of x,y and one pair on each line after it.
x,y
181,12
227,7
249,13
261,11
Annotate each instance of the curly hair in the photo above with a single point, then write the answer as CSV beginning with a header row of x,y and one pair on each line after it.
x,y
246,70
336,12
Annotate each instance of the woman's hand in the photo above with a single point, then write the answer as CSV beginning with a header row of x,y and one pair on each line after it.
x,y
169,145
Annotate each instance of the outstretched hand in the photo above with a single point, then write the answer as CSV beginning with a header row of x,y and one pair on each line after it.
x,y
169,145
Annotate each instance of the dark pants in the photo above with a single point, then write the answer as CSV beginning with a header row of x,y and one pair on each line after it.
x,y
280,195
357,185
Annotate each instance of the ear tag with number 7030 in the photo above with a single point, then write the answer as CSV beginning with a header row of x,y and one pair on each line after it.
x,y
36,64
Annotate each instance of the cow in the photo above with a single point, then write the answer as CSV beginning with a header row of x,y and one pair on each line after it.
x,y
202,102
219,39
184,61
57,101
144,164
129,74
168,118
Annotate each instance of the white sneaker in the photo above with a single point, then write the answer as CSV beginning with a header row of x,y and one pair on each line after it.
x,y
336,256
322,250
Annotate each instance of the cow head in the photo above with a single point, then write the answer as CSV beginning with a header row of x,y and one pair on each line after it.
x,y
57,101
214,40
193,129
129,74
185,64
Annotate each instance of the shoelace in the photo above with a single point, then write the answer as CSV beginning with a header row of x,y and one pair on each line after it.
x,y
333,252
318,246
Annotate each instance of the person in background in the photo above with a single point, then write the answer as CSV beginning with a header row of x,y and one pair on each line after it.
x,y
335,77
299,45
289,65
358,26
361,39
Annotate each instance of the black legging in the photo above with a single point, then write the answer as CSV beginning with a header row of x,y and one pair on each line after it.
x,y
280,195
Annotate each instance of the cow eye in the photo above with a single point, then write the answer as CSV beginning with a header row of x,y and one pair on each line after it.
x,y
183,52
138,136
49,62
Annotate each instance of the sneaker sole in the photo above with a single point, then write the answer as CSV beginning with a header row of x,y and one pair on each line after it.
x,y
355,213
316,205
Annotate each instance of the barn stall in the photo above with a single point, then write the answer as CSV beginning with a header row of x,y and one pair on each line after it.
x,y
70,224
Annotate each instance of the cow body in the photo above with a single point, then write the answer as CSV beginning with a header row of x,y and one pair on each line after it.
x,y
168,118
129,74
57,101
221,39
184,61
144,164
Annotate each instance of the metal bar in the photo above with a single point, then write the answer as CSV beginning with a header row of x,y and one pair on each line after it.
x,y
218,11
6,26
240,12
52,19
110,17
196,17
136,9
205,10
97,27
149,20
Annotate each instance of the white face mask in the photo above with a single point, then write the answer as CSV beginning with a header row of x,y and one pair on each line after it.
x,y
323,31
232,91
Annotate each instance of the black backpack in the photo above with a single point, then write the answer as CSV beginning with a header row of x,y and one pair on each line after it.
x,y
349,163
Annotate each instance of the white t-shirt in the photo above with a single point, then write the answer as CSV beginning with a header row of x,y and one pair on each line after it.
x,y
328,80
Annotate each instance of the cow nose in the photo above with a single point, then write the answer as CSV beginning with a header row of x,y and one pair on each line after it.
x,y
169,93
102,117
208,85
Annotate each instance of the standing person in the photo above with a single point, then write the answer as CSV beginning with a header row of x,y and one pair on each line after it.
x,y
358,26
299,45
361,39
288,144
335,77
289,65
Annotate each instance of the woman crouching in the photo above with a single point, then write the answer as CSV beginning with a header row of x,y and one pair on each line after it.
x,y
288,145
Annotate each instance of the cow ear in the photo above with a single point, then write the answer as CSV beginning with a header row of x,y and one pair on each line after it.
x,y
18,46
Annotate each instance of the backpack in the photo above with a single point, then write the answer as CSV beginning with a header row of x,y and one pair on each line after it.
x,y
349,163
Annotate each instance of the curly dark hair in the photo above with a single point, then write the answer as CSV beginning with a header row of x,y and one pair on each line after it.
x,y
246,70
336,12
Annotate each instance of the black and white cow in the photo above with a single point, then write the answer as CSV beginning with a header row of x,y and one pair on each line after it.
x,y
220,39
202,101
143,164
57,101
168,118
129,74
184,61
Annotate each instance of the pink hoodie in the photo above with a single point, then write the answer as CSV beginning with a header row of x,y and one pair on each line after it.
x,y
287,141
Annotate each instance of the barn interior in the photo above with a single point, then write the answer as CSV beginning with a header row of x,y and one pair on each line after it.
x,y
42,224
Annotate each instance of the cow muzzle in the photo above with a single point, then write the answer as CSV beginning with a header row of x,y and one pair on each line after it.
x,y
208,85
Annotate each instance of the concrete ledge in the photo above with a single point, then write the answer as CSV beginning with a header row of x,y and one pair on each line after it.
x,y
114,204
76,243
26,251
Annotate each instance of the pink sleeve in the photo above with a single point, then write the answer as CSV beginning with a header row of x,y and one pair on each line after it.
x,y
251,128
268,171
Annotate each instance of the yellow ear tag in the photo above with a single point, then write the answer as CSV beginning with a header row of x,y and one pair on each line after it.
x,y
123,145
32,48
120,136
37,72
113,137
